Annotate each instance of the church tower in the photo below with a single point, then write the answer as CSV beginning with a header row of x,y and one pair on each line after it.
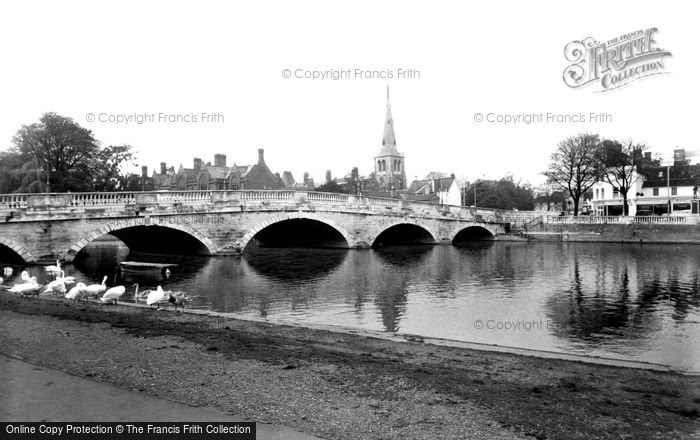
x,y
389,163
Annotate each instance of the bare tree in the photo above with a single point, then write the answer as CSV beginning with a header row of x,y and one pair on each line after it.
x,y
575,165
463,183
619,161
550,194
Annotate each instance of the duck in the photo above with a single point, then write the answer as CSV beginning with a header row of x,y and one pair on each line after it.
x,y
76,292
157,296
96,289
178,299
113,294
55,270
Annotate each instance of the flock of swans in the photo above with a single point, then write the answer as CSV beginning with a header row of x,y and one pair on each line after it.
x,y
79,292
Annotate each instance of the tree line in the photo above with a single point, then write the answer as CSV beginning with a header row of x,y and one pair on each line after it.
x,y
580,161
58,155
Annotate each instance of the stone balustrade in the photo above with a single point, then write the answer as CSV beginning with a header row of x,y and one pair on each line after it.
x,y
246,197
259,199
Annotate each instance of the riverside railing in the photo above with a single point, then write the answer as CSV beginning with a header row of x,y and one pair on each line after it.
x,y
619,220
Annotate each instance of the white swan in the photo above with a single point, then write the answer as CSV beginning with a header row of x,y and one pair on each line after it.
x,y
113,294
57,287
76,292
96,289
137,295
56,270
66,280
157,296
26,288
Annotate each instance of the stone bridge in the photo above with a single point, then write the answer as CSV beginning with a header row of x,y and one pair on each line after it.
x,y
40,227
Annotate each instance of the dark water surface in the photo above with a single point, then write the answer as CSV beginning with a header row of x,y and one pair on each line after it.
x,y
636,302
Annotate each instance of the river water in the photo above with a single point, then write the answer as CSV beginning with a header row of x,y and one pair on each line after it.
x,y
634,302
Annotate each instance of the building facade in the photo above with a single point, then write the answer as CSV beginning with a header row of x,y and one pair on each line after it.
x,y
217,177
656,190
435,188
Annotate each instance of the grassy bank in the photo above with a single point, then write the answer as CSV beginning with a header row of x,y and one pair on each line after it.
x,y
346,386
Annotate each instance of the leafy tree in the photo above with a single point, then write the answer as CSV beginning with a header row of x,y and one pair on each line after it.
x,y
619,161
135,182
501,194
56,154
60,147
575,165
18,176
331,186
106,167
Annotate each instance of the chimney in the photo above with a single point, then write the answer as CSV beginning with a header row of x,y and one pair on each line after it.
x,y
306,177
220,160
647,156
261,156
162,168
197,163
144,171
328,176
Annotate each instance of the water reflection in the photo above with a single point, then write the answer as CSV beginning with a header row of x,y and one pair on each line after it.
x,y
627,301
295,265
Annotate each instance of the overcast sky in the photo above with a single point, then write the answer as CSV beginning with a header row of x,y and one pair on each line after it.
x,y
188,58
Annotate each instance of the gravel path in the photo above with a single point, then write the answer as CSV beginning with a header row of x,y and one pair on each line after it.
x,y
340,386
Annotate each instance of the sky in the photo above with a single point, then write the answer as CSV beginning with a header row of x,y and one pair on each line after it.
x,y
173,61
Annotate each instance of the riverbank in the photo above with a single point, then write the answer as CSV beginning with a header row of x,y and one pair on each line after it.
x,y
339,385
658,233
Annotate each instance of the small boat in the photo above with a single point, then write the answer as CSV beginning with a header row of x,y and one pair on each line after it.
x,y
142,266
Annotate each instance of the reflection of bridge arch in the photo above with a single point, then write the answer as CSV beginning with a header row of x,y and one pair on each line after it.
x,y
432,234
243,242
134,222
23,253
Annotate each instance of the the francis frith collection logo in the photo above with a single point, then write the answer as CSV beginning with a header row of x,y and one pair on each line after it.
x,y
614,63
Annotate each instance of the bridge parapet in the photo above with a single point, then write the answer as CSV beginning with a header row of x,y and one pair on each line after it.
x,y
111,203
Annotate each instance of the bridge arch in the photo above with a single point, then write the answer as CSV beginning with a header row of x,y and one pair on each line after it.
x,y
474,232
136,222
21,251
245,240
424,235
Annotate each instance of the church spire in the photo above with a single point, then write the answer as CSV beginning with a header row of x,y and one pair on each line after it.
x,y
389,139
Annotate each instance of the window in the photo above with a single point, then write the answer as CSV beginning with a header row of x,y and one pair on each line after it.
x,y
596,193
602,193
655,192
616,193
674,190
